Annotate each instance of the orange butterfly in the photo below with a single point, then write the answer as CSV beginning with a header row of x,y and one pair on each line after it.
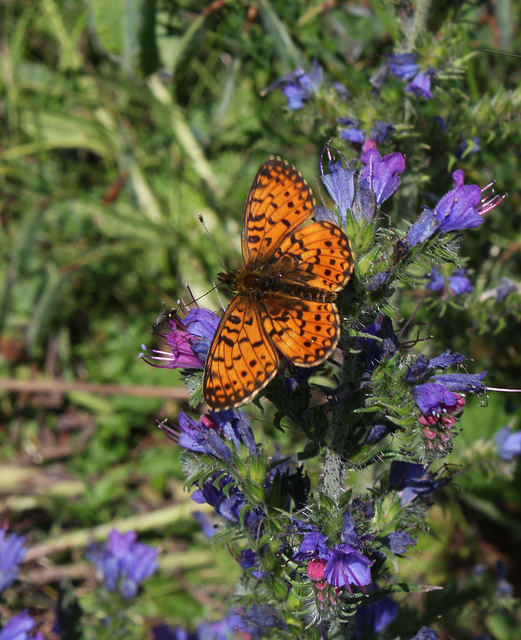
x,y
285,291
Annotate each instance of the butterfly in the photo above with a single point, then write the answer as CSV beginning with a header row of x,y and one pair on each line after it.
x,y
286,291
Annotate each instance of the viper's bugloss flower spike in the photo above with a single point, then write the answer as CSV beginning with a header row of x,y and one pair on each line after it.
x,y
12,552
123,562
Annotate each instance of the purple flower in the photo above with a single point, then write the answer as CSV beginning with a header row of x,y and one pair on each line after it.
x,y
398,542
374,618
462,382
506,287
340,185
18,628
461,208
188,338
124,562
381,174
403,65
12,552
436,281
465,148
353,134
213,433
314,545
378,350
424,366
431,396
509,444
229,627
298,87
381,131
420,85
413,480
347,566
458,283
221,493
426,633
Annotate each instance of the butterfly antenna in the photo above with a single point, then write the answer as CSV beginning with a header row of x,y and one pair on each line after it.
x,y
201,220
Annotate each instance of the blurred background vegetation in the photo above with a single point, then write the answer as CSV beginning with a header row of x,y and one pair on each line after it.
x,y
120,123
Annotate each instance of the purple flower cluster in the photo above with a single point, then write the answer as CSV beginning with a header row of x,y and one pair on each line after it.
x,y
377,181
354,133
405,67
299,86
457,283
123,562
440,397
333,568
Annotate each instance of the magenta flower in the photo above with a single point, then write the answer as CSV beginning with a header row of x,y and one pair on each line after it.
x,y
189,339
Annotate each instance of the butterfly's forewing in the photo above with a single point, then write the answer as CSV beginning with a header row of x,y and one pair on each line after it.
x,y
241,360
321,256
279,201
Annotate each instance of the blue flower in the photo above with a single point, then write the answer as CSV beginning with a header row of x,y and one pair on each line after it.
x,y
12,552
412,481
299,86
426,633
124,562
347,566
18,628
356,135
381,174
509,444
228,501
398,542
458,283
340,185
420,85
403,65
374,618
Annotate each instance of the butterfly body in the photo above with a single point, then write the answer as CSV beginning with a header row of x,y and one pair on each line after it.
x,y
285,291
